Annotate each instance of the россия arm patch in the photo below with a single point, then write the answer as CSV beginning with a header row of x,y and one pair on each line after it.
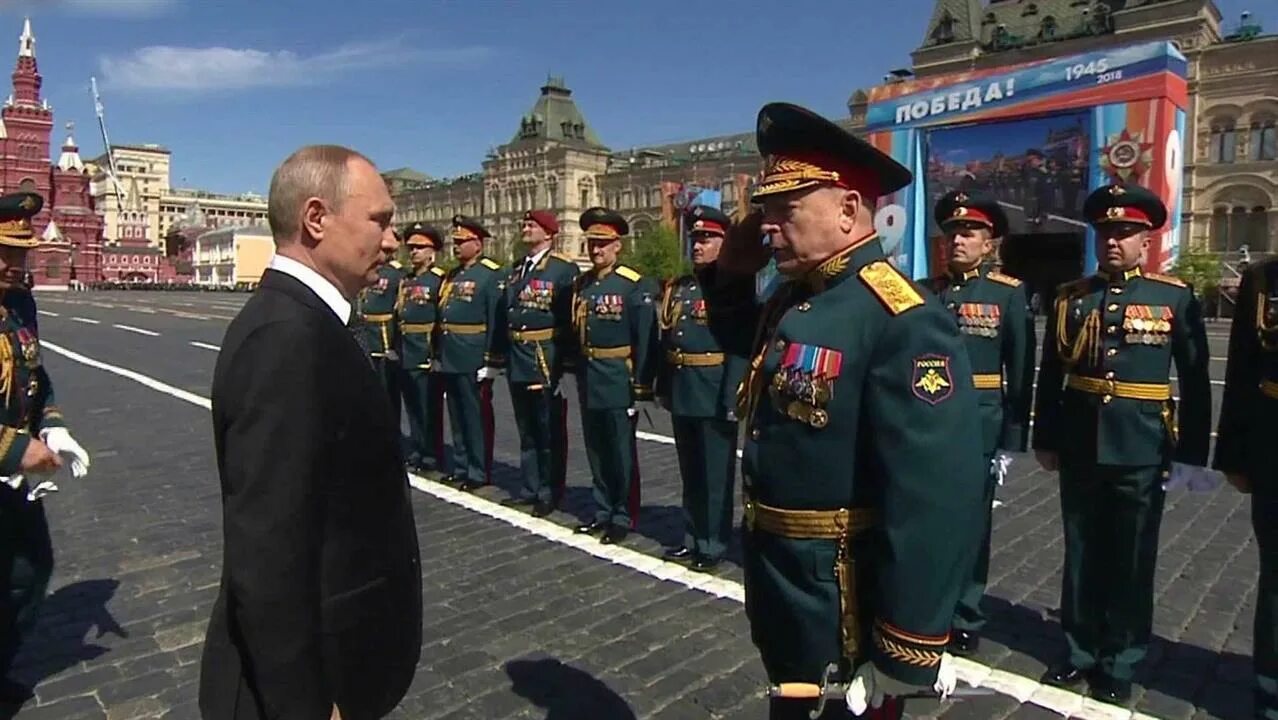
x,y
932,380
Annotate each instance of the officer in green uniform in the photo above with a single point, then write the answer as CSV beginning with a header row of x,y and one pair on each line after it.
x,y
856,546
705,356
468,304
1247,454
1105,416
998,332
32,436
615,324
536,322
417,309
376,329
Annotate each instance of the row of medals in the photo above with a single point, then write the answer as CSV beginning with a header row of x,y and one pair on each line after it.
x,y
803,396
981,325
1147,330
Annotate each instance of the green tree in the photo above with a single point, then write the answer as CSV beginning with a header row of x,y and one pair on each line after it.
x,y
1199,268
657,254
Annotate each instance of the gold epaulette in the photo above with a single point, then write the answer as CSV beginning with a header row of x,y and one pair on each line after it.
x,y
562,258
1074,287
396,264
489,263
890,286
999,277
628,273
1168,279
437,270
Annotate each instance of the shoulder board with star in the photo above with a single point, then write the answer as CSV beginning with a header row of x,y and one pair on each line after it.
x,y
892,288
562,258
1075,287
1002,279
396,264
1166,279
437,270
628,273
490,263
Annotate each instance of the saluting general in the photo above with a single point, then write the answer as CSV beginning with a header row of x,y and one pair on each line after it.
x,y
32,436
993,316
706,349
468,304
536,322
417,310
615,323
862,471
1247,454
1106,418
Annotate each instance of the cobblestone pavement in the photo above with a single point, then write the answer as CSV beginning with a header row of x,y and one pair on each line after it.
x,y
518,625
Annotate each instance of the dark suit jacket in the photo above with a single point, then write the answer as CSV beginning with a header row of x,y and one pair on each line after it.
x,y
320,601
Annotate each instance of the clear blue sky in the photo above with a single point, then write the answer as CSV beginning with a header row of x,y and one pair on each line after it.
x,y
233,86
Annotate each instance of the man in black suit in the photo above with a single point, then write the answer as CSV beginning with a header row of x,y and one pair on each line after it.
x,y
319,611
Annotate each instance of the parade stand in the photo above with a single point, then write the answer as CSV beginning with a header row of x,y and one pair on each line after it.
x,y
1038,136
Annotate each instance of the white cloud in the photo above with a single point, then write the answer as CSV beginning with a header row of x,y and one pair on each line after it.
x,y
186,69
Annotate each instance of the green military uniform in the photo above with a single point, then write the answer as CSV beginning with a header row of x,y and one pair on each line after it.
x,y
1245,446
536,322
376,329
417,309
468,304
703,361
1105,407
26,394
993,315
855,545
615,323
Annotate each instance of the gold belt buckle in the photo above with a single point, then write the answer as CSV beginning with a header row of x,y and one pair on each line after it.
x,y
678,358
1111,387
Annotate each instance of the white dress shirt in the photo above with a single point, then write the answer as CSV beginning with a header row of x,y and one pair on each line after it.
x,y
531,261
318,284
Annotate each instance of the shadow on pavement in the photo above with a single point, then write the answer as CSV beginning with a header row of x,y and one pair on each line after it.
x,y
565,692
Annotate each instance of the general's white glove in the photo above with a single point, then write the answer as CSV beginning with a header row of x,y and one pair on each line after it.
x,y
864,692
44,487
1192,478
392,356
487,373
61,442
999,465
631,412
946,677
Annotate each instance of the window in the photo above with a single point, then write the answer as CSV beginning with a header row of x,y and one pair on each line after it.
x,y
585,198
1029,10
1233,227
1048,29
944,32
1223,143
27,185
1263,144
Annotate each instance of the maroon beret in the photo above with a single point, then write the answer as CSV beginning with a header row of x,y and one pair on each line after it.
x,y
545,219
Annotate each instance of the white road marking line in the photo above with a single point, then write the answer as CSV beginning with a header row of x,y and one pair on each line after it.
x,y
206,346
89,321
1024,689
50,314
138,330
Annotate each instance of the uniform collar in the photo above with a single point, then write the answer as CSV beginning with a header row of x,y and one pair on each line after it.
x,y
835,269
1119,277
965,275
538,258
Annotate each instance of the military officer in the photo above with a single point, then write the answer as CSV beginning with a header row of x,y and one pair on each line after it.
x,y
416,310
1247,454
376,328
855,547
469,300
33,435
998,332
536,322
615,324
704,360
1105,417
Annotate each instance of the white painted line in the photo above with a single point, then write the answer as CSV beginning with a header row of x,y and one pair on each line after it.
x,y
89,321
138,330
974,673
50,314
206,346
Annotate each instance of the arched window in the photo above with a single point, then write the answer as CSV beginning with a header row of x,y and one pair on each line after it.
x,y
1232,227
1048,29
1263,143
1030,10
944,31
27,185
1223,145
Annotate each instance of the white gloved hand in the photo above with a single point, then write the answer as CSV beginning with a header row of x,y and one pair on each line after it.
x,y
999,465
946,677
392,356
13,481
487,373
61,442
1192,478
44,488
863,692
631,412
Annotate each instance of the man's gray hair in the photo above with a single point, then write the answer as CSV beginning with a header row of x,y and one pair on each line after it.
x,y
313,171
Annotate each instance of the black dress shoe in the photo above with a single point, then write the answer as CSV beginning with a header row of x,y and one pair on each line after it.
x,y
447,479
704,564
468,485
589,527
1064,675
518,501
964,642
1109,690
614,534
542,509
12,691
677,553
